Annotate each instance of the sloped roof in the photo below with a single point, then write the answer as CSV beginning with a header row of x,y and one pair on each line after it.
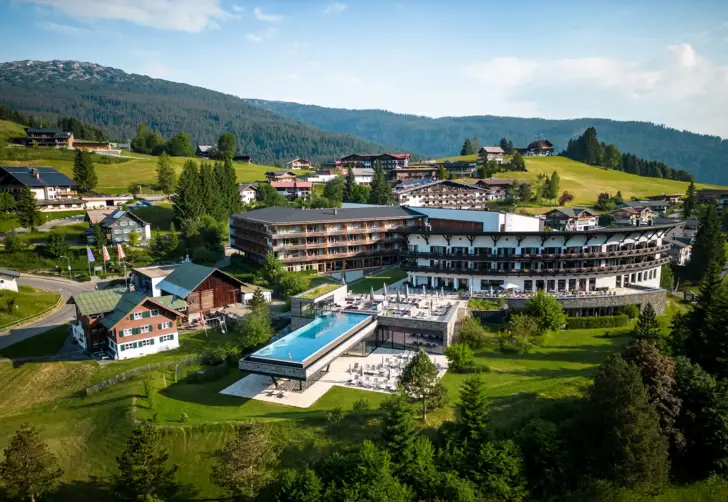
x,y
9,273
204,148
246,186
299,159
98,302
291,184
284,215
47,176
574,212
492,149
130,300
95,216
187,277
117,215
439,182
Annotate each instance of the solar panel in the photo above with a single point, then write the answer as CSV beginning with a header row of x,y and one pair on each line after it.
x,y
119,214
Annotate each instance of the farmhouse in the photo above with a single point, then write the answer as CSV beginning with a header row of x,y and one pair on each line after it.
x,y
272,176
571,219
300,164
293,189
539,148
43,136
118,225
106,201
633,215
52,189
247,192
656,206
125,324
203,151
488,153
415,173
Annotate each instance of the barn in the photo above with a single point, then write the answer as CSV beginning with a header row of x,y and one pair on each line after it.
x,y
205,289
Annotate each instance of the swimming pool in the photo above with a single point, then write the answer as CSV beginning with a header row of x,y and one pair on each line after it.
x,y
305,342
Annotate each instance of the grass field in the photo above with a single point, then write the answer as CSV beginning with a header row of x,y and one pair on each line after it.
x,y
160,215
376,281
10,130
26,302
45,344
587,182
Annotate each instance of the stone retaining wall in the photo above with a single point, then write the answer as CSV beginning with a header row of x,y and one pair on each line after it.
x,y
658,299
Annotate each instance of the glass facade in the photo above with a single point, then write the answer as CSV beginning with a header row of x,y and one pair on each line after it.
x,y
399,339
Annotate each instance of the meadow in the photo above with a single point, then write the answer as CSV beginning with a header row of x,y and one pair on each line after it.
x,y
25,302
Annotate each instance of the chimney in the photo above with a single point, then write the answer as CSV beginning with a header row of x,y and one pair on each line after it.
x,y
336,211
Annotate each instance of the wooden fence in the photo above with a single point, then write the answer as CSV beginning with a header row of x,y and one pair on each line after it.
x,y
187,361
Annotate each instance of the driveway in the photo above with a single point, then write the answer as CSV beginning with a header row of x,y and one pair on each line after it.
x,y
63,315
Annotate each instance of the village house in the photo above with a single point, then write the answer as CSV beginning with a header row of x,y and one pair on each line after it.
x,y
488,153
680,251
633,215
300,164
247,192
272,176
716,196
460,169
53,190
443,194
656,206
415,173
293,189
671,199
106,201
8,279
93,146
246,159
538,148
571,219
499,184
126,324
45,136
118,226
203,151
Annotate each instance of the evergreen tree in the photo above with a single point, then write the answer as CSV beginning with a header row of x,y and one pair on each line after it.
x,y
29,469
473,411
144,474
166,177
612,158
467,148
647,327
709,245
667,280
349,189
84,171
299,486
210,192
517,162
243,466
258,303
188,204
525,193
442,172
227,182
157,246
553,186
504,145
398,429
622,429
475,144
173,239
27,210
420,380
7,202
11,242
498,470
692,332
381,190
227,145
691,201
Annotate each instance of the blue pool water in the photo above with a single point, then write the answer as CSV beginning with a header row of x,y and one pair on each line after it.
x,y
306,341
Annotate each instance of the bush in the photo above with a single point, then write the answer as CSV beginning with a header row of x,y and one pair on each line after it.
x,y
631,311
360,409
334,416
607,321
472,332
459,355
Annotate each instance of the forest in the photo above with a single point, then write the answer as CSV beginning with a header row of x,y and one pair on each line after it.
x,y
701,155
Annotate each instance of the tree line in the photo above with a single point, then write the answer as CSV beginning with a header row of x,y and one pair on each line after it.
x,y
79,129
587,149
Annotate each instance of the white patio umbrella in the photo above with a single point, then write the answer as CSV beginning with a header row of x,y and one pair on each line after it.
x,y
399,298
424,290
385,290
442,291
470,289
371,293
406,291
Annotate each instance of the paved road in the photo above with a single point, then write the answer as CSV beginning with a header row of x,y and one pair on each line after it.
x,y
63,315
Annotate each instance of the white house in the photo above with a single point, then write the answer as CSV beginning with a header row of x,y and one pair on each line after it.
x,y
8,279
247,192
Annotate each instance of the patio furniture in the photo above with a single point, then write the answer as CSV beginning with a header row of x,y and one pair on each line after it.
x,y
281,395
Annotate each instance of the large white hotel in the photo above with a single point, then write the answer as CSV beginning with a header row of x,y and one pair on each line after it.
x,y
596,271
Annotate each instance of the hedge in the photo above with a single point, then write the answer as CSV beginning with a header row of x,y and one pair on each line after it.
x,y
607,321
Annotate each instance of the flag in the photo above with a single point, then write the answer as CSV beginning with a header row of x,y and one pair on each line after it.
x,y
90,255
106,254
120,250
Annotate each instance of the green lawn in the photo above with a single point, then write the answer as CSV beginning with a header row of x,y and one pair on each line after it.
x,y
318,280
376,281
26,302
586,182
319,290
45,344
10,130
73,233
159,216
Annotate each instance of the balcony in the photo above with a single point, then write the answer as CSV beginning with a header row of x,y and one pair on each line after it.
x,y
611,269
539,257
337,256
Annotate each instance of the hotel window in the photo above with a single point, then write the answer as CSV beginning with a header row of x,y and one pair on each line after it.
x,y
154,313
165,338
572,284
528,285
126,332
146,328
164,325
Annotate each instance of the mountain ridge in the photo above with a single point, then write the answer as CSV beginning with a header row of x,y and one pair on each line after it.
x,y
119,101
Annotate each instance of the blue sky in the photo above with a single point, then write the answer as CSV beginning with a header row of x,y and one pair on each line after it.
x,y
660,61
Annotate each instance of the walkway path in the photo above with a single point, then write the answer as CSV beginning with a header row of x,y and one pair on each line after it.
x,y
61,316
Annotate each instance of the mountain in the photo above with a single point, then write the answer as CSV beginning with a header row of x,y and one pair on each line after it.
x,y
118,102
702,155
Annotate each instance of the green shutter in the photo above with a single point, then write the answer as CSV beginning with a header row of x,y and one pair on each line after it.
x,y
151,341
136,331
159,326
171,337
151,328
131,316
145,315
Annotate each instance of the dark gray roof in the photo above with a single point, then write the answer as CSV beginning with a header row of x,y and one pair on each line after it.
x,y
185,278
440,182
111,219
678,243
24,175
276,215
58,202
10,273
572,212
643,203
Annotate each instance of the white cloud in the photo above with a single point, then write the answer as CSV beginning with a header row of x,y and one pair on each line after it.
x,y
293,76
260,36
268,18
254,38
192,16
335,8
679,88
63,29
238,8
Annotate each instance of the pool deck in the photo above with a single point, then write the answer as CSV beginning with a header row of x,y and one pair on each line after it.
x,y
261,387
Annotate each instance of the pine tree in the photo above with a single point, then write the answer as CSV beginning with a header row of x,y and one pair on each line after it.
x,y
667,279
258,303
398,429
143,466
166,177
57,245
473,411
227,182
421,381
381,190
173,240
27,210
709,244
647,327
442,172
243,466
622,429
188,204
504,145
210,191
84,171
467,148
350,187
553,186
29,469
690,202
157,246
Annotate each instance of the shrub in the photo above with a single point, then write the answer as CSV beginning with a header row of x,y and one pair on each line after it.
x,y
547,311
631,311
472,332
460,356
360,408
335,415
607,321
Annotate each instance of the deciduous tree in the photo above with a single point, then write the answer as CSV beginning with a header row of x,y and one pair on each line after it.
x,y
29,469
227,144
57,245
546,310
420,380
7,202
180,145
565,198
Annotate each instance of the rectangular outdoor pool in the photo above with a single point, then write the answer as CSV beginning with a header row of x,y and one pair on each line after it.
x,y
298,346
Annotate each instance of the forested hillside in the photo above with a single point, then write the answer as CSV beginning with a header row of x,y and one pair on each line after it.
x,y
118,102
703,156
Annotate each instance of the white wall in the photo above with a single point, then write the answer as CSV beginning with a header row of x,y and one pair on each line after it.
x,y
148,349
8,283
78,334
491,220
